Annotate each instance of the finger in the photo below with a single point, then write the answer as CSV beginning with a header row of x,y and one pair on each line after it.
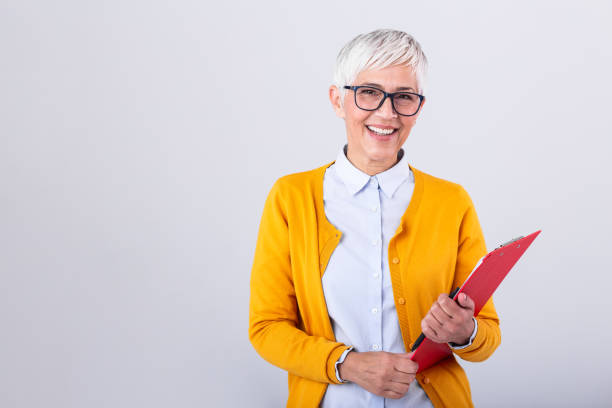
x,y
440,315
406,366
434,323
426,324
399,388
409,356
429,322
401,378
392,394
466,302
430,333
449,306
442,330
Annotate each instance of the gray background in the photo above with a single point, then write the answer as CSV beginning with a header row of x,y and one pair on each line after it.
x,y
139,140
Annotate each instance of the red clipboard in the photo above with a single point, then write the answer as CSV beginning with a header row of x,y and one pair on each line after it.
x,y
489,272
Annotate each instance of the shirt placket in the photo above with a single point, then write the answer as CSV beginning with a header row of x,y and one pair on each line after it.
x,y
376,286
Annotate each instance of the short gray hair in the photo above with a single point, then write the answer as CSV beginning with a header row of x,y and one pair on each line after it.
x,y
377,50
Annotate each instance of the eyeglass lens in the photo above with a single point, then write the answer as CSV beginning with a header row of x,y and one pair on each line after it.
x,y
369,98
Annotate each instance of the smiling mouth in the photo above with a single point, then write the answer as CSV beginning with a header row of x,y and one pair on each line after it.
x,y
381,132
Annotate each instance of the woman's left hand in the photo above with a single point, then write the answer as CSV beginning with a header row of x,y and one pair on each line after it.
x,y
448,321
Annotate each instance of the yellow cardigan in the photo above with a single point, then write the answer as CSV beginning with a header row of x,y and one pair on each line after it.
x,y
435,247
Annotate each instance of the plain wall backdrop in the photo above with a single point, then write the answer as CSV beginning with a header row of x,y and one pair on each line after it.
x,y
139,139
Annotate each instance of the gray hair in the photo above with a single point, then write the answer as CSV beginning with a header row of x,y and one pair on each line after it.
x,y
377,50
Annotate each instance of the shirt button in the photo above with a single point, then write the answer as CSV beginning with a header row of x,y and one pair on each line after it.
x,y
395,260
375,310
375,274
375,242
401,301
374,209
375,347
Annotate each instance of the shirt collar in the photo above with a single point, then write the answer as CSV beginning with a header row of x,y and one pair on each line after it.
x,y
389,180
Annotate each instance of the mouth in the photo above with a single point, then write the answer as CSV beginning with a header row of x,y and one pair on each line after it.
x,y
381,132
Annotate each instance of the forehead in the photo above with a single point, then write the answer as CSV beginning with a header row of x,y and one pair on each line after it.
x,y
390,78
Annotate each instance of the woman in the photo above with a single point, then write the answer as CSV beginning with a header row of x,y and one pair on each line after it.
x,y
356,258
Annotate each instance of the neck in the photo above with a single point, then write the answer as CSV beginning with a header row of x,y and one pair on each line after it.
x,y
371,167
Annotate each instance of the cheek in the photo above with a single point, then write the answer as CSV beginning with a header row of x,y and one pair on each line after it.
x,y
356,119
408,122
407,127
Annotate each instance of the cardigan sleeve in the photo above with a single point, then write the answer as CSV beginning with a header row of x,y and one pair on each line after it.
x,y
273,311
471,248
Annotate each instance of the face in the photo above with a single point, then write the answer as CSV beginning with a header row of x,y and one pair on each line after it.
x,y
370,145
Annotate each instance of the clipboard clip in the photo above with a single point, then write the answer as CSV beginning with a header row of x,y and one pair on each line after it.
x,y
511,241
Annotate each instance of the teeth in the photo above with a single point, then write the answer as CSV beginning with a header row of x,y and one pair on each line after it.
x,y
381,131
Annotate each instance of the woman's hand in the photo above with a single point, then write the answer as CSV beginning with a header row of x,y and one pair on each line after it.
x,y
448,321
386,374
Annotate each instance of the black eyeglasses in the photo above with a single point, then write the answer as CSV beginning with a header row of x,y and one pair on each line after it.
x,y
369,98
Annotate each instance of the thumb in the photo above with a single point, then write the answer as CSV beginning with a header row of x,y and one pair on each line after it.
x,y
465,301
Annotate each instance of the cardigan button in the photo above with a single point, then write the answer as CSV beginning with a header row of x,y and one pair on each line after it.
x,y
426,380
401,301
395,260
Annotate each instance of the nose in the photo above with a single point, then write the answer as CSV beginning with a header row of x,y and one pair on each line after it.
x,y
386,110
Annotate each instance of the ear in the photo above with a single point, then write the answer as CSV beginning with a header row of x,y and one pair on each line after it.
x,y
336,101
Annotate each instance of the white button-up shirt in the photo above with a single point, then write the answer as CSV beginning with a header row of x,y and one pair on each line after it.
x,y
357,280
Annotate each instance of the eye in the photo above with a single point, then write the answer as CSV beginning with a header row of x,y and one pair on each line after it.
x,y
406,97
368,92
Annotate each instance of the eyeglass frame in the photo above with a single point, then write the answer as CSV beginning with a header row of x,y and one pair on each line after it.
x,y
386,95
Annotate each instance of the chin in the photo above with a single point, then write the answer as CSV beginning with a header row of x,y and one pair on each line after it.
x,y
382,153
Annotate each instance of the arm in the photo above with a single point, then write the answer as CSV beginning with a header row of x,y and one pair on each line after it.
x,y
471,248
452,322
273,311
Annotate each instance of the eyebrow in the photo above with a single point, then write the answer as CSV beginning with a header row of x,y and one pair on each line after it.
x,y
401,88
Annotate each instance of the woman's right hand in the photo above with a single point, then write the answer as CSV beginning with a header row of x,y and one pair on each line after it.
x,y
386,374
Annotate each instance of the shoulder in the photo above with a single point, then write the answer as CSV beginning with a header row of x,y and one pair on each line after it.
x,y
300,183
436,189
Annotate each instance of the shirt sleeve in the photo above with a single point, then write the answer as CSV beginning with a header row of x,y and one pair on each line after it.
x,y
274,318
340,361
